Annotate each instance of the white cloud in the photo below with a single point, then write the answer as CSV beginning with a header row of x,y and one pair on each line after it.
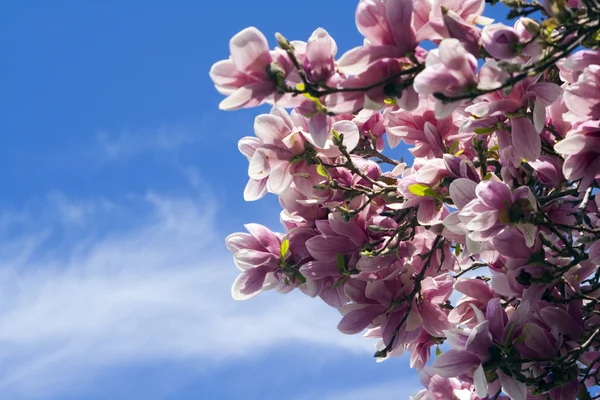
x,y
401,388
157,290
129,143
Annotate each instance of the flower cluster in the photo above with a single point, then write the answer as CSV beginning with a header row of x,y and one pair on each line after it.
x,y
486,248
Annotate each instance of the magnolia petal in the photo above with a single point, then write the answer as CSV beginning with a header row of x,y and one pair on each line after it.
x,y
250,50
350,132
525,138
248,145
265,237
319,129
270,128
280,178
454,363
259,166
357,320
480,382
359,59
248,96
513,388
255,189
495,195
249,283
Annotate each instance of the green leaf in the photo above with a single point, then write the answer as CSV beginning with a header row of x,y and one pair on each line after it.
x,y
418,189
321,171
341,263
438,351
338,283
454,146
457,250
519,340
336,137
484,131
285,246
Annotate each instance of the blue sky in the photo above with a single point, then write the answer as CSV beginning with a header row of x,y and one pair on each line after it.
x,y
120,180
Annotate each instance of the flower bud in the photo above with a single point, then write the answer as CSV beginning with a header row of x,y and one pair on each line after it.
x,y
500,41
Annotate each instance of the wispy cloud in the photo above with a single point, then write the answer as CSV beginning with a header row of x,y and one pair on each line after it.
x,y
129,143
155,290
399,389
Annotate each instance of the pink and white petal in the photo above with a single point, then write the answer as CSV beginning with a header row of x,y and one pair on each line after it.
x,y
319,269
318,126
480,382
325,248
259,166
255,189
270,128
399,16
283,114
248,257
536,340
529,231
513,388
483,221
428,212
239,240
249,283
248,145
251,95
454,362
525,139
359,59
280,178
444,110
572,144
357,320
546,92
250,51
265,237
435,321
350,132
462,191
539,115
495,195
226,76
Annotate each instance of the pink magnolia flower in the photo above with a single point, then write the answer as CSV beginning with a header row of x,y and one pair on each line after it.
x,y
581,149
319,129
489,208
374,98
319,63
430,209
573,66
388,30
257,255
525,133
500,41
449,70
244,77
431,137
583,97
467,34
269,153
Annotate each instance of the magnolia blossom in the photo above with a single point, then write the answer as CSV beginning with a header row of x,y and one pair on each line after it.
x,y
488,208
449,70
581,148
483,247
243,77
